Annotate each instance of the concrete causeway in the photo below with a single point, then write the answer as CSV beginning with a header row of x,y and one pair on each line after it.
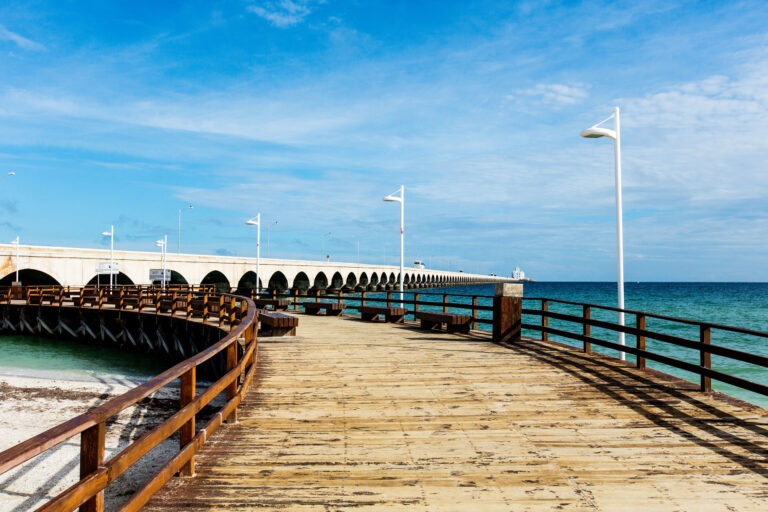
x,y
351,415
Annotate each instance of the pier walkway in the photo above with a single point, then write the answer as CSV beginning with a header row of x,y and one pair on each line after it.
x,y
361,416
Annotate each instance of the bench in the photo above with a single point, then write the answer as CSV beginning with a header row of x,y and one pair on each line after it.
x,y
277,304
452,321
331,308
392,315
277,324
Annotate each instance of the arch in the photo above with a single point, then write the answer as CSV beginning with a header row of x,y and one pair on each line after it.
x,y
248,282
392,278
177,278
336,282
364,281
374,279
29,277
320,282
351,281
218,280
301,282
278,282
103,280
383,278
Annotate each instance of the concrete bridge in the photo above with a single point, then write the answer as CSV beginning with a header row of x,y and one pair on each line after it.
x,y
69,266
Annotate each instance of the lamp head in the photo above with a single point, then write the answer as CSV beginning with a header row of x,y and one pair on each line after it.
x,y
392,199
106,233
159,243
252,222
597,132
11,173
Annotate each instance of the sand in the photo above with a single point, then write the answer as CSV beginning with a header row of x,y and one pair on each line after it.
x,y
32,402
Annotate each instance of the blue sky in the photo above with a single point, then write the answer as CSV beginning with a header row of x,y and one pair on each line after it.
x,y
310,111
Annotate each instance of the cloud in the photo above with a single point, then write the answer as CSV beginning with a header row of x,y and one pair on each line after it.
x,y
283,13
555,94
19,40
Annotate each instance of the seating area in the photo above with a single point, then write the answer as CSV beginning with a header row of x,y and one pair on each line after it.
x,y
453,322
275,304
277,324
331,308
391,314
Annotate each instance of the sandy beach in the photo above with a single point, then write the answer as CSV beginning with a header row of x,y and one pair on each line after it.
x,y
32,402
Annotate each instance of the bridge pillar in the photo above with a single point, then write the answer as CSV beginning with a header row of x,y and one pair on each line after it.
x,y
507,312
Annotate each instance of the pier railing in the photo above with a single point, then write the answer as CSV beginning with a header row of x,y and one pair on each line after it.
x,y
96,473
537,312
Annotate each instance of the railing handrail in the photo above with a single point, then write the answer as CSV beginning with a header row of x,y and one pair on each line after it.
x,y
107,472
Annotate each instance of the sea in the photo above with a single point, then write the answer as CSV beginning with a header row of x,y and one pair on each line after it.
x,y
735,304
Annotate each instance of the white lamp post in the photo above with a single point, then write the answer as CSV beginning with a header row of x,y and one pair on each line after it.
x,y
269,254
257,223
163,245
400,200
596,132
16,243
111,235
178,244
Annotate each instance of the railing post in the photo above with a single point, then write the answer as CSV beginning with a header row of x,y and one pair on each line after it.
x,y
586,328
232,387
640,341
544,319
507,312
341,294
91,457
188,391
295,294
474,312
705,357
389,299
416,299
362,298
445,301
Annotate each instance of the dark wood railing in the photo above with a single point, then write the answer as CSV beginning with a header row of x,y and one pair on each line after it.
x,y
96,473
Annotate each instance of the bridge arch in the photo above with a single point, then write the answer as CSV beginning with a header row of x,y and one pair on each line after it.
x,y
277,282
102,280
301,282
392,278
217,279
320,282
248,282
336,282
363,281
351,281
374,279
30,276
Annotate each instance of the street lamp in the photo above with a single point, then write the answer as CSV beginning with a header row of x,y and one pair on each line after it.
x,y
16,243
400,200
111,235
178,244
322,246
269,226
163,245
596,132
257,223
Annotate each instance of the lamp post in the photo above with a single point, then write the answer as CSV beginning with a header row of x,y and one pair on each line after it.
x,y
257,223
400,200
16,243
269,254
322,245
596,132
10,174
178,244
163,245
111,235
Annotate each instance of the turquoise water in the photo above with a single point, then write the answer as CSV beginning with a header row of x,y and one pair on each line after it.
x,y
69,357
734,304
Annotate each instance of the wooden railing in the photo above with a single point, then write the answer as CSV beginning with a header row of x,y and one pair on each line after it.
x,y
96,473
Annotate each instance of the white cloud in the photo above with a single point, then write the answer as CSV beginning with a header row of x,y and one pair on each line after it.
x,y
555,94
19,40
283,13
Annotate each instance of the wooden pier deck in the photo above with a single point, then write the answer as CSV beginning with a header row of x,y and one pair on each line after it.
x,y
361,416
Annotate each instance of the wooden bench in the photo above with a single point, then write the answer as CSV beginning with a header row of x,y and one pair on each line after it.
x,y
277,304
392,315
452,321
331,308
277,324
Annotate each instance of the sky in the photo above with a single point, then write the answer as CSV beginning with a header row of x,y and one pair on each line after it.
x,y
309,112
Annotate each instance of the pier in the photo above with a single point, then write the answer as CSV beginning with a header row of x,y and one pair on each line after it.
x,y
353,414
